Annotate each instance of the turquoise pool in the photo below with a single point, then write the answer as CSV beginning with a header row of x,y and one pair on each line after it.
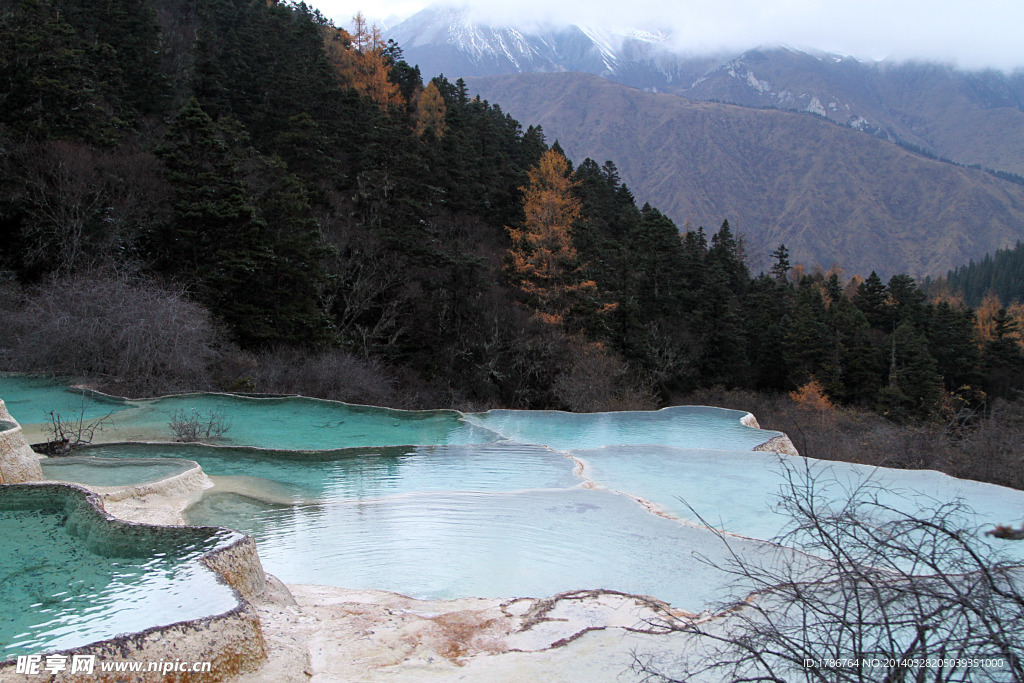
x,y
504,503
69,576
30,399
366,473
296,423
510,519
98,471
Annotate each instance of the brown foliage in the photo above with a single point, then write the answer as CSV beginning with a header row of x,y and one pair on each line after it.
x,y
358,62
985,317
542,262
812,396
430,111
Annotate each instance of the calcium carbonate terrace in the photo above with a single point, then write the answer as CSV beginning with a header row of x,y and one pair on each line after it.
x,y
442,505
70,576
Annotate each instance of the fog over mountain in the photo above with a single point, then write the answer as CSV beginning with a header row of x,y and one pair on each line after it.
x,y
973,117
973,35
452,42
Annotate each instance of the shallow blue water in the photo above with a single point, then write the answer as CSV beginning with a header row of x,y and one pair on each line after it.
x,y
737,491
304,423
679,426
99,471
489,504
297,423
366,473
67,578
455,544
30,399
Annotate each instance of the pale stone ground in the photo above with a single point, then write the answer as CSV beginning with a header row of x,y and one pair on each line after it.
x,y
18,463
321,634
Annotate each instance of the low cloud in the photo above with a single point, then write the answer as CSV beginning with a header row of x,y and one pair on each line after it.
x,y
984,33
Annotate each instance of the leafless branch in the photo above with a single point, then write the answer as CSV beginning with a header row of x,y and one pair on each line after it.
x,y
875,594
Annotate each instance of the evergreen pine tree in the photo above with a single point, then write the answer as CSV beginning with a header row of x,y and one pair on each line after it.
x,y
907,302
256,261
807,339
873,301
769,303
1002,359
49,77
915,386
860,361
953,344
780,269
719,315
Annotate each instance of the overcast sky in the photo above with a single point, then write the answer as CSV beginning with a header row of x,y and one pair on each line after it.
x,y
971,33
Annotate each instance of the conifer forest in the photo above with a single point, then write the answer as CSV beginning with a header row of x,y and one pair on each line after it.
x,y
241,196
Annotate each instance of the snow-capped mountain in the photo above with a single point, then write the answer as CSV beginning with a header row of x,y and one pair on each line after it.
x,y
448,40
828,85
970,117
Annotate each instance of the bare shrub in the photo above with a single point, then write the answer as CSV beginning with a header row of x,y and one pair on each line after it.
x,y
332,374
597,380
995,450
895,596
83,207
136,336
68,433
370,295
190,426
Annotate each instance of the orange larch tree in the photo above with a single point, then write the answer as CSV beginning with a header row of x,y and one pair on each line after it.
x,y
430,111
542,262
358,61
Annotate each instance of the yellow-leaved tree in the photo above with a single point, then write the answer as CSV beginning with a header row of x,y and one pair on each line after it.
x,y
358,61
542,262
430,111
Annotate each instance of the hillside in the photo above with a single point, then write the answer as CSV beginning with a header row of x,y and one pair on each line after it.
x,y
831,194
226,195
971,117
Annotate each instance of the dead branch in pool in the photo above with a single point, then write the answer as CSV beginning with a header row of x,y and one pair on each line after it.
x,y
193,426
67,434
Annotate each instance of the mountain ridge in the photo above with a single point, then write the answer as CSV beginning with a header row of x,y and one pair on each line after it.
x,y
849,198
971,117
